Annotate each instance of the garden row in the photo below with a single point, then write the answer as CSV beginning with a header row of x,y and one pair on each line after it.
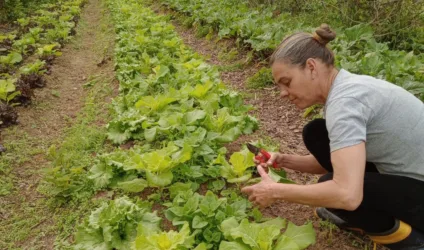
x,y
258,28
28,52
176,115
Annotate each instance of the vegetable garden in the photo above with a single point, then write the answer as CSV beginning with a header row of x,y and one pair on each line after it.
x,y
27,52
159,174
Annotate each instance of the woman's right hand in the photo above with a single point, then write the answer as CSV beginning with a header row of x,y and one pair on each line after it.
x,y
278,158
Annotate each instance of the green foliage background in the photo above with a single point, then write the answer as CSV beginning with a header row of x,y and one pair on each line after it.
x,y
11,10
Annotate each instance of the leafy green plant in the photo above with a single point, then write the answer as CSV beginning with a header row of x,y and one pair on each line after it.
x,y
26,44
8,90
123,169
356,47
40,30
114,225
205,214
266,235
154,239
23,22
329,227
236,170
49,52
11,59
7,37
36,68
61,33
178,114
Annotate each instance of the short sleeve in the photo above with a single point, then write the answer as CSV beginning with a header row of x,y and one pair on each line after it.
x,y
346,121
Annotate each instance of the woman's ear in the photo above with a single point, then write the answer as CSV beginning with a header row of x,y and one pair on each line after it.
x,y
311,66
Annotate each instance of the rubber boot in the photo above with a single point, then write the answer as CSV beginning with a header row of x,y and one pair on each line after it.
x,y
401,237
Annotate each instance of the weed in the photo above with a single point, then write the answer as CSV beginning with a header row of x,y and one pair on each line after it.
x,y
329,227
55,93
261,79
228,55
314,112
230,67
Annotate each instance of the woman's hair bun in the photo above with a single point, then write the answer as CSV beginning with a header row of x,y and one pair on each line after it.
x,y
324,34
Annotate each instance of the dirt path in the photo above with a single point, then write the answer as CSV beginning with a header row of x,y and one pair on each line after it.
x,y
280,122
25,220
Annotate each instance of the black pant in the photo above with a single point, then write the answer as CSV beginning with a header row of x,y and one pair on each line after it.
x,y
385,198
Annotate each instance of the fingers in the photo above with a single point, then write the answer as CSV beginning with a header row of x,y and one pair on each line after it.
x,y
264,166
262,172
255,201
272,159
258,203
252,198
247,190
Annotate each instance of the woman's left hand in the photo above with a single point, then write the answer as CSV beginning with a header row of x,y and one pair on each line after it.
x,y
261,194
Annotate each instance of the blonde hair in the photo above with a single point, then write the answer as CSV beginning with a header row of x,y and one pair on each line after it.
x,y
299,47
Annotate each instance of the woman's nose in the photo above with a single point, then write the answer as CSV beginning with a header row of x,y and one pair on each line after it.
x,y
284,93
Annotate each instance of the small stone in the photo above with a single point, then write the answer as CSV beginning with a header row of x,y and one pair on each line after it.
x,y
292,127
2,149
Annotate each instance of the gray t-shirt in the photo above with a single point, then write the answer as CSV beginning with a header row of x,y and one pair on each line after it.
x,y
389,119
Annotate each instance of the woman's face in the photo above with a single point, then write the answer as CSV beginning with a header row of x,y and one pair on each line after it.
x,y
295,83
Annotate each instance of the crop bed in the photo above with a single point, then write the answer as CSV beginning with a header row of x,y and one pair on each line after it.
x,y
27,53
261,30
178,116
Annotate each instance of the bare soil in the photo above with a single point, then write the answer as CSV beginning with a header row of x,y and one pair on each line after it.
x,y
279,120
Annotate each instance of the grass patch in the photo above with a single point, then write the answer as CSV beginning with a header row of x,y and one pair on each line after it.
x,y
31,219
28,219
263,78
19,151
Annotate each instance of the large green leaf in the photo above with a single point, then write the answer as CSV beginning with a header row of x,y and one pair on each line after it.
x,y
285,243
234,245
210,203
150,134
161,71
117,133
257,236
183,155
161,179
136,185
201,90
165,240
241,161
157,161
227,225
302,235
199,222
279,175
193,116
15,57
154,103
